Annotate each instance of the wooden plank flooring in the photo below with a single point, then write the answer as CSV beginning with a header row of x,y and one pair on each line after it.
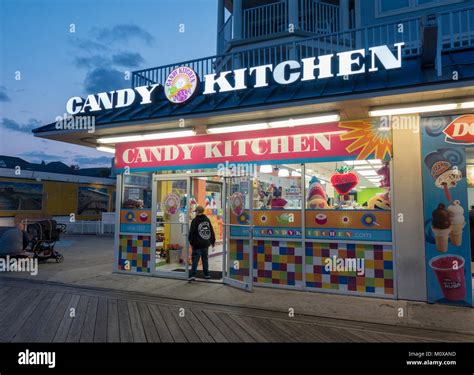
x,y
37,311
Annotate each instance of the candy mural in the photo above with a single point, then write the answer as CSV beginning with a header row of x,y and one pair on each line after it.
x,y
447,240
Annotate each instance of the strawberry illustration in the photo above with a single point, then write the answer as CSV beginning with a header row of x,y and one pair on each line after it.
x,y
344,180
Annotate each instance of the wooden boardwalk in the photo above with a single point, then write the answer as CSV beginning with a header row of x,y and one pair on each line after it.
x,y
37,311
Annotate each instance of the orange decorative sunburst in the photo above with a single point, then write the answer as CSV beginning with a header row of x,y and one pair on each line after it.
x,y
368,137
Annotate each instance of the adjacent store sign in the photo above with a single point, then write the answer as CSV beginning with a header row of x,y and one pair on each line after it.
x,y
339,140
460,130
181,84
446,208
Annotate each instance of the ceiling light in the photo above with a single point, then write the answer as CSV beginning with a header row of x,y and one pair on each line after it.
x,y
359,167
283,172
356,162
375,161
120,139
146,137
166,135
266,168
367,173
304,121
106,149
467,105
236,128
417,109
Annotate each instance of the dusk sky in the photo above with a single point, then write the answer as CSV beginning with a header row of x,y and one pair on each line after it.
x,y
111,37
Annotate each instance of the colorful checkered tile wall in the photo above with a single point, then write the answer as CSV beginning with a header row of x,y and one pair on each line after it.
x,y
239,251
378,268
278,263
136,250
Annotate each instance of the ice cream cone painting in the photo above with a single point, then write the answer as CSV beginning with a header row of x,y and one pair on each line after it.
x,y
445,205
445,175
456,218
441,227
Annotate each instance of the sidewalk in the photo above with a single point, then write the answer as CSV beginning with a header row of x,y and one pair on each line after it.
x,y
88,262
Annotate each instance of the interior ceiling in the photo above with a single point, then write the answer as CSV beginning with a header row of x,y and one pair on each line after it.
x,y
348,110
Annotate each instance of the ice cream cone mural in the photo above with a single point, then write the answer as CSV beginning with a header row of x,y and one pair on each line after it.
x,y
445,175
446,202
317,197
456,218
441,227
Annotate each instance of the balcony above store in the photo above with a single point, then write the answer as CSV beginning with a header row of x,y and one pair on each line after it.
x,y
247,23
436,65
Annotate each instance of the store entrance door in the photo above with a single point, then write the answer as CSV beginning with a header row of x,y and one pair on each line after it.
x,y
207,190
238,233
171,226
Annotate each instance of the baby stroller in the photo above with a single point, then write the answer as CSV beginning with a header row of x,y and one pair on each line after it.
x,y
43,236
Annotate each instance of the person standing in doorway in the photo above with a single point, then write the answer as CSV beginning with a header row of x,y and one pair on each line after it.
x,y
201,236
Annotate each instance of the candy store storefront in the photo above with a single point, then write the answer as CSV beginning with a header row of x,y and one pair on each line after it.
x,y
304,192
303,207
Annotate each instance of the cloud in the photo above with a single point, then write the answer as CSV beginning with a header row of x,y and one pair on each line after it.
x,y
12,125
91,62
105,79
3,94
89,45
128,59
102,161
123,33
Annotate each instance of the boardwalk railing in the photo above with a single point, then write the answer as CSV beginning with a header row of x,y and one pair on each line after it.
x,y
455,32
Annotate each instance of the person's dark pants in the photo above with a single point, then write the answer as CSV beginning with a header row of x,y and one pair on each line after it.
x,y
204,255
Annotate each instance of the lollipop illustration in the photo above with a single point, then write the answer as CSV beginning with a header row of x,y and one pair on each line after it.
x,y
236,202
171,203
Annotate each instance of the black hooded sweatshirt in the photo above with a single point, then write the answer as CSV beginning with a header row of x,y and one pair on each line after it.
x,y
201,233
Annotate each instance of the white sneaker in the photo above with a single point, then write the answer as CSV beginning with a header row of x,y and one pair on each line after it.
x,y
192,278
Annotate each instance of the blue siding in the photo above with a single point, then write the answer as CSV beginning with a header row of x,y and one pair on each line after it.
x,y
368,11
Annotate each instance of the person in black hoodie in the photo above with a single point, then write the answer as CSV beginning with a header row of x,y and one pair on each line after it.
x,y
201,236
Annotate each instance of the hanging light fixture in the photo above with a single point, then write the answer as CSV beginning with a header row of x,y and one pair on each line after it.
x,y
266,168
283,172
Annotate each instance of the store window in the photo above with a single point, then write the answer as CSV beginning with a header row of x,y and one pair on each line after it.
x,y
389,5
357,184
278,187
137,190
393,7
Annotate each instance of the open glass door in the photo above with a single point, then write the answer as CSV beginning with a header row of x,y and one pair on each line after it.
x,y
171,197
238,237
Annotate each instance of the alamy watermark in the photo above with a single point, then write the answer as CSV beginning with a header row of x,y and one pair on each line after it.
x,y
68,122
37,358
335,264
237,169
395,122
9,264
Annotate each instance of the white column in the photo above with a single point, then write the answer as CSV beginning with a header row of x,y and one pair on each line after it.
x,y
344,14
237,13
293,13
407,199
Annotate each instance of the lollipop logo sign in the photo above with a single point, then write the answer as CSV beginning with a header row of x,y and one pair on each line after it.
x,y
181,85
